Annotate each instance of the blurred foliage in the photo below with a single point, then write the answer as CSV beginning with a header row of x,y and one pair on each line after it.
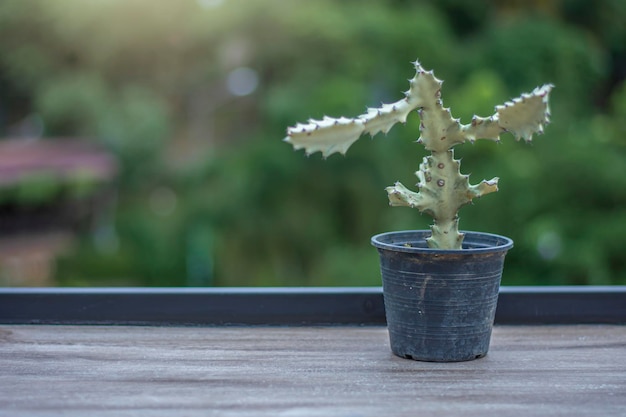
x,y
209,195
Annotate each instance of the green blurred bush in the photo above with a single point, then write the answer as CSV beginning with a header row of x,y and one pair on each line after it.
x,y
209,195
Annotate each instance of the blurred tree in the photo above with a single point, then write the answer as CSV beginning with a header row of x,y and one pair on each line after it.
x,y
194,97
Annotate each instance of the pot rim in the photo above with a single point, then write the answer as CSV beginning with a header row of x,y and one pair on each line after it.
x,y
473,242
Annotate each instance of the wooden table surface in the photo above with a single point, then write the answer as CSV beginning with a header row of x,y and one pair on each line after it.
x,y
90,371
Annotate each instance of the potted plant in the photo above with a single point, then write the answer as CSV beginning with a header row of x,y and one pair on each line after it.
x,y
440,286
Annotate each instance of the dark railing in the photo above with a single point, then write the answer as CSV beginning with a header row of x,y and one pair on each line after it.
x,y
286,306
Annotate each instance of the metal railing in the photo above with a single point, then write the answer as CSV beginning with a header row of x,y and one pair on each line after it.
x,y
286,306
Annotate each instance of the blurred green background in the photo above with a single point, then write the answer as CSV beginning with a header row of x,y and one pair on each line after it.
x,y
194,96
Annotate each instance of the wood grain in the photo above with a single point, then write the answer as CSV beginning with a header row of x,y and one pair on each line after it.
x,y
304,371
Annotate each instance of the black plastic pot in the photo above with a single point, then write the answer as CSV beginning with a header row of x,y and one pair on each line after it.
x,y
440,304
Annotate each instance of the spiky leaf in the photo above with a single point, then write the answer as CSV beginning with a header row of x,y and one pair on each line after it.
x,y
527,114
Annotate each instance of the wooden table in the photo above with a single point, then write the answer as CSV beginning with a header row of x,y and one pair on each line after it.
x,y
348,371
